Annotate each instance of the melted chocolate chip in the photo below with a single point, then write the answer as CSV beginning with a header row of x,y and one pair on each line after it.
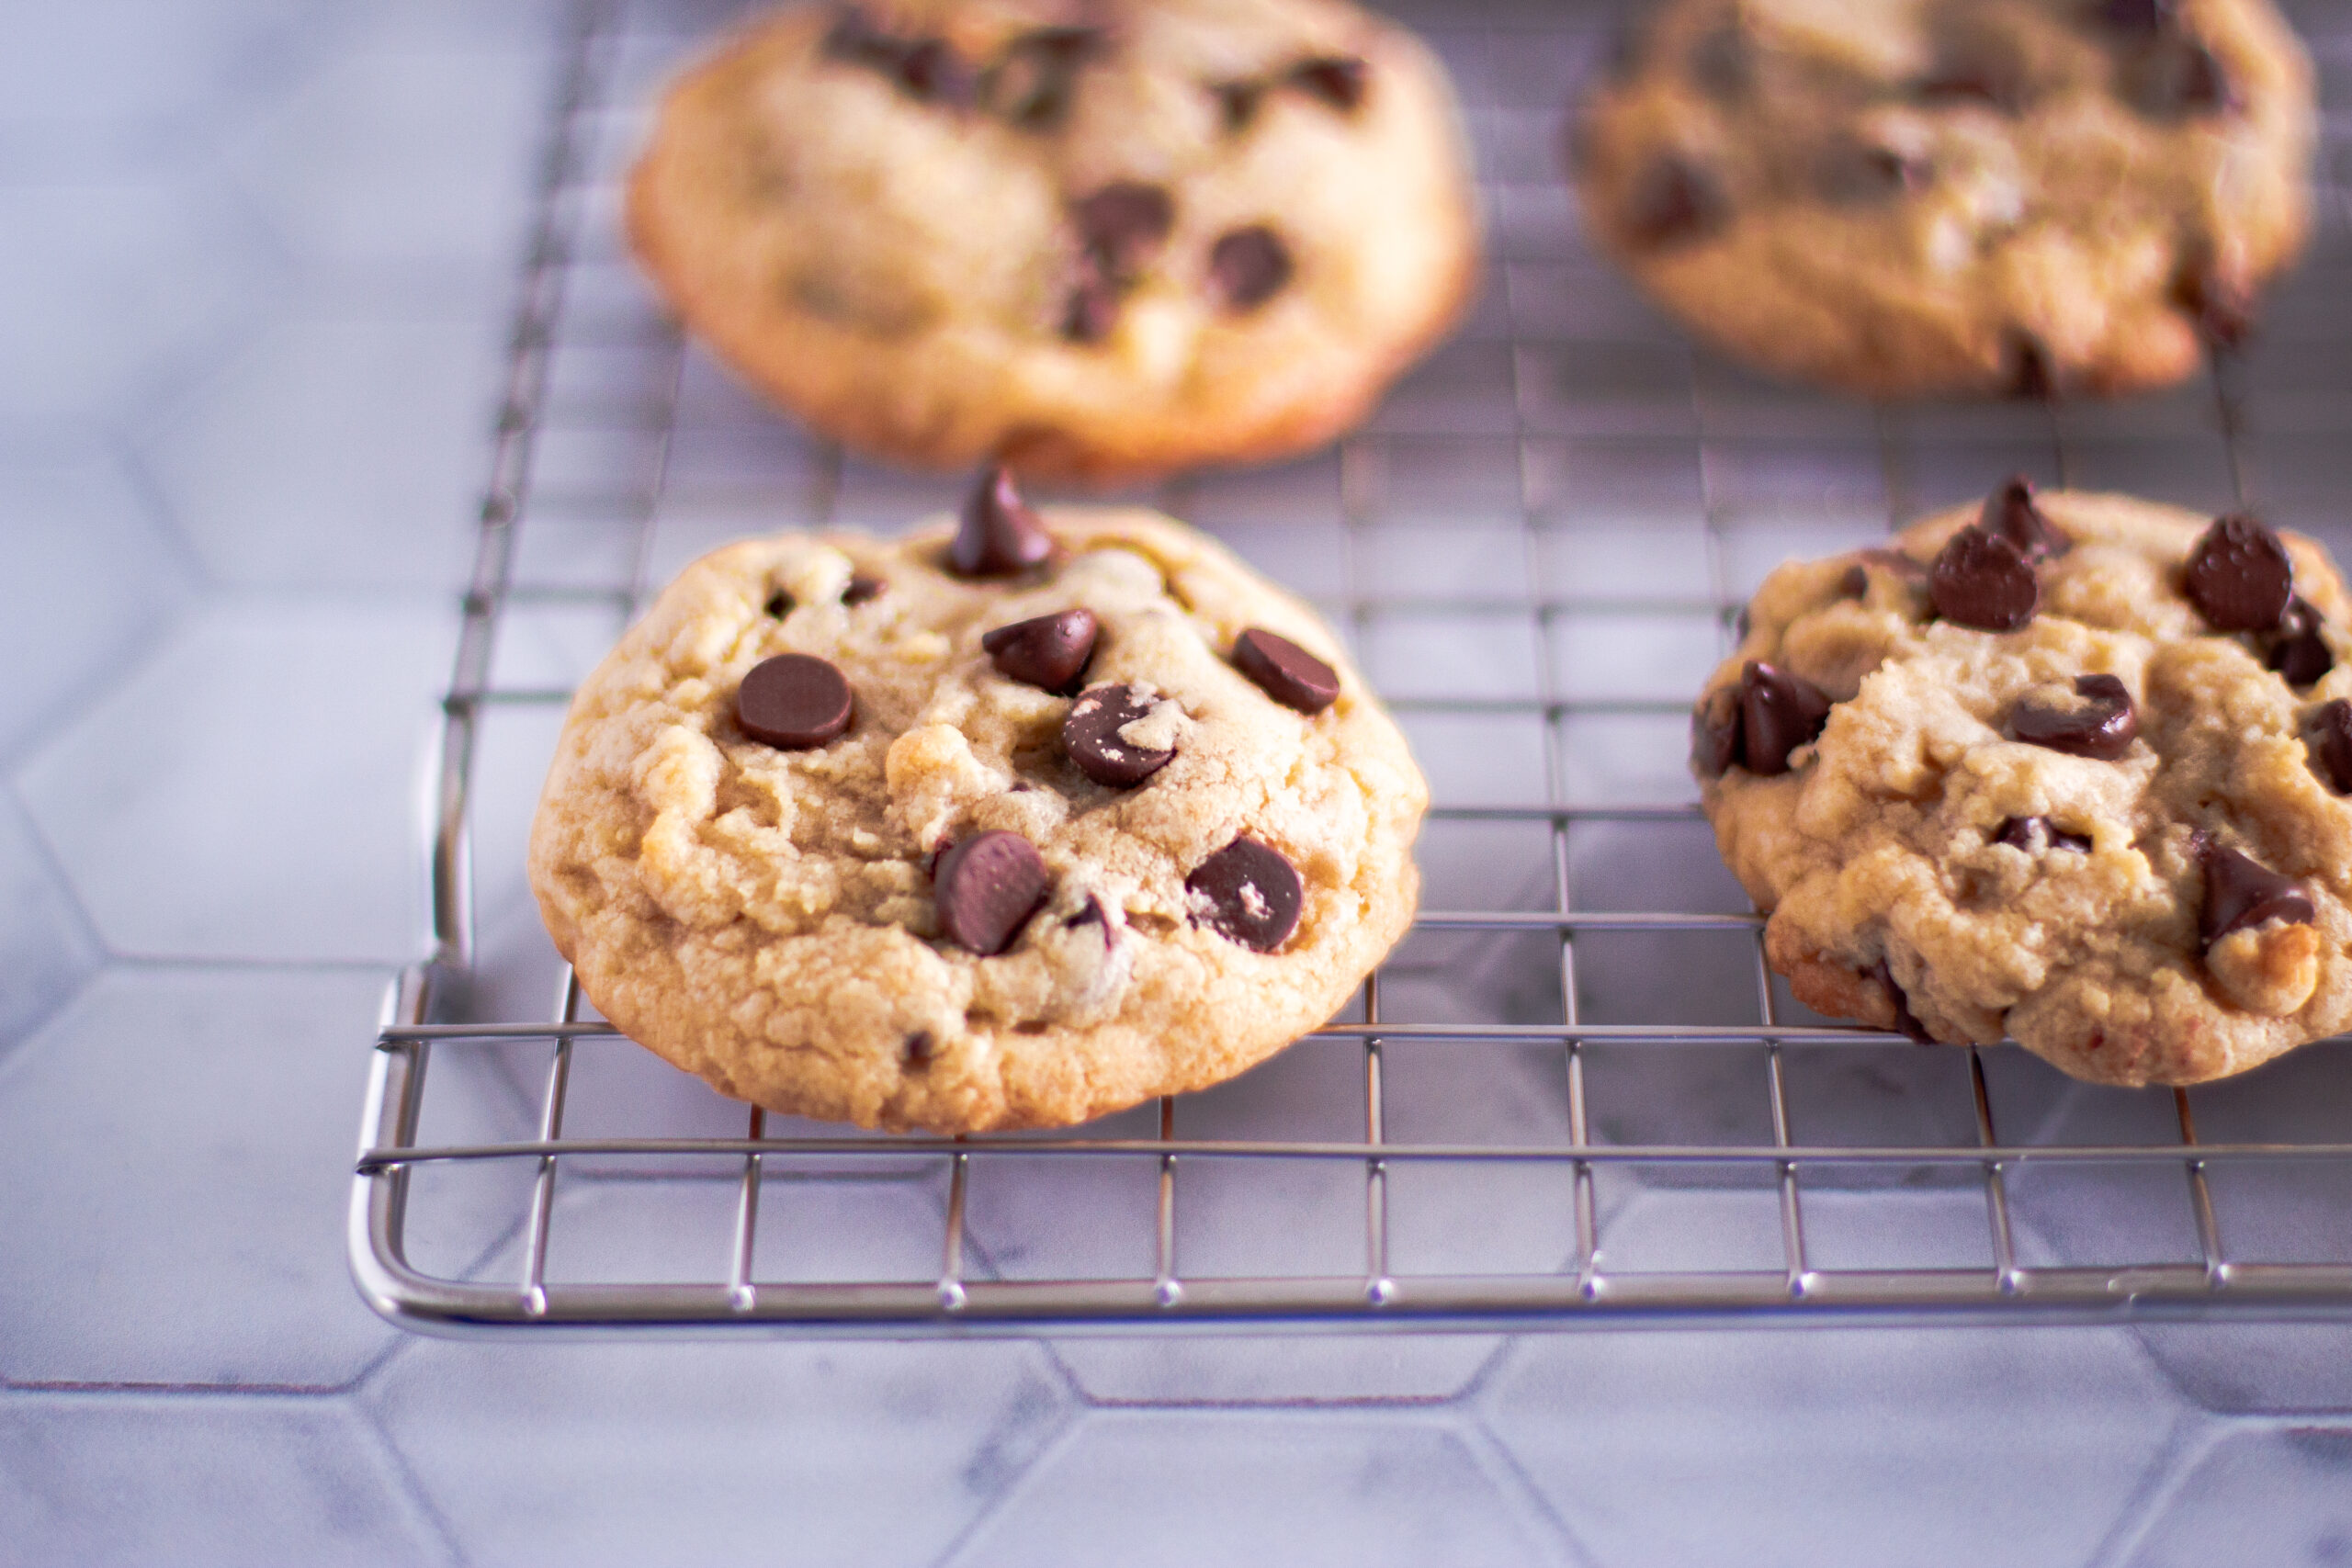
x,y
2173,77
986,888
2101,725
1124,225
1714,732
998,536
1249,266
862,588
1778,712
1285,671
779,605
2241,892
1673,202
1236,104
1050,653
1982,581
1090,736
2238,576
2331,743
2010,512
1252,894
1847,173
793,702
1903,1018
2036,835
2299,654
1337,80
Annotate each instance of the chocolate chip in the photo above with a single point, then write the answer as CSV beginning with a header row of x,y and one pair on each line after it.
x,y
1249,266
1904,1019
1849,172
1285,671
862,588
1031,86
1236,104
1673,202
986,888
2331,743
779,605
793,702
1091,915
1856,582
1339,80
1982,581
2010,512
1124,223
1778,712
2030,372
2173,77
929,72
2238,576
1090,736
998,536
2036,835
2241,892
2300,655
1049,652
1092,309
1252,893
1714,732
2100,725
920,1048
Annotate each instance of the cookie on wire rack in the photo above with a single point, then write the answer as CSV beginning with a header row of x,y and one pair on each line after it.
x,y
1093,238
1015,822
1903,197
2068,767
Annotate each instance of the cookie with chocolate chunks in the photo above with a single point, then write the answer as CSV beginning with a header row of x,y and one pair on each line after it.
x,y
1100,242
2112,829
961,830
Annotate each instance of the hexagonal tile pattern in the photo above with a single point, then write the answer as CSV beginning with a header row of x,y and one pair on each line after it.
x,y
1185,1489
1862,1444
337,453
86,579
47,949
840,1453
2282,1495
176,1148
1338,1369
203,1482
264,769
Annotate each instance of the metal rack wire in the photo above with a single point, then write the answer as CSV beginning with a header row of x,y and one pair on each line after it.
x,y
1583,1097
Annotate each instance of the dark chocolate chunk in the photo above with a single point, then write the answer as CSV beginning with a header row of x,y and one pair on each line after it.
x,y
1903,1018
998,536
1714,732
1337,79
1249,266
1236,104
2100,725
2331,743
862,588
793,702
1285,671
1849,172
2299,654
1090,736
1124,224
2035,835
1252,893
2173,77
1778,712
1092,309
1982,581
1673,202
2010,513
986,888
2238,576
2241,892
1049,652
779,605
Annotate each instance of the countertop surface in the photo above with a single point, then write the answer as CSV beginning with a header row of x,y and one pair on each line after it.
x,y
257,264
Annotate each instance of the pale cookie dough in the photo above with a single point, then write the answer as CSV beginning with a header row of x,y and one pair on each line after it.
x,y
2117,832
767,917
1917,197
1089,237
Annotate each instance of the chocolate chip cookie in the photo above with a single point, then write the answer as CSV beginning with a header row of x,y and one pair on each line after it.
x,y
2069,767
1015,822
1919,197
1087,237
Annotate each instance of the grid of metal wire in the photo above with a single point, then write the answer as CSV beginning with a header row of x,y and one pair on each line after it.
x,y
1577,1098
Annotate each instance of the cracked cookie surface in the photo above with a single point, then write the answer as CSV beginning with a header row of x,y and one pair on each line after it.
x,y
816,926
2117,831
1089,237
1911,196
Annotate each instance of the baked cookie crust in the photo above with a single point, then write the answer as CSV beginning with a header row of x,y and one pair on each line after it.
x,y
1902,197
778,921
1091,238
2117,832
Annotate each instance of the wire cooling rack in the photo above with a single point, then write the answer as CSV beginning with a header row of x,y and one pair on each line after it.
x,y
1574,1095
